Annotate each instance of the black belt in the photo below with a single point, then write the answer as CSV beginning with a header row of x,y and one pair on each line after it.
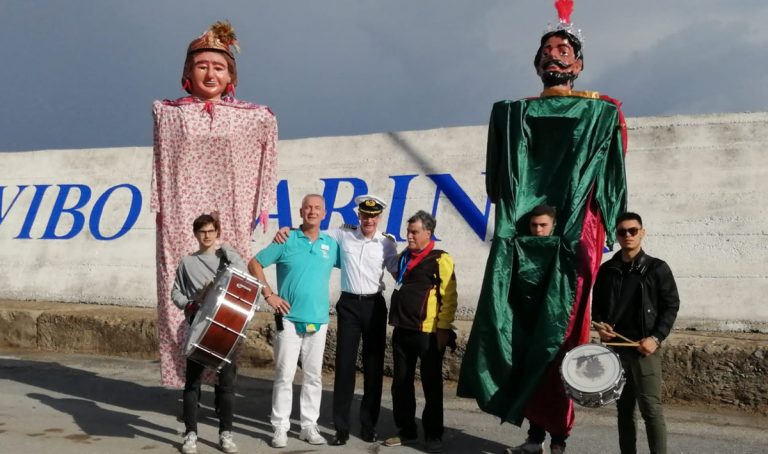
x,y
369,296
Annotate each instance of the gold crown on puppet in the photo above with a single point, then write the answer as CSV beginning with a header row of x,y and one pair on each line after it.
x,y
220,36
564,10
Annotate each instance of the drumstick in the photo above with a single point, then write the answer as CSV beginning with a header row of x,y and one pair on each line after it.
x,y
601,325
622,344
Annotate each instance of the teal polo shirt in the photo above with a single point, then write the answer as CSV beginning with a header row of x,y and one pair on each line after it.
x,y
303,274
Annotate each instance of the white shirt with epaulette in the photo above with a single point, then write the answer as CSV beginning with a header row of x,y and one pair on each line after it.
x,y
363,260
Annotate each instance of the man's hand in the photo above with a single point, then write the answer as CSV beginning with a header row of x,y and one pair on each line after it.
x,y
648,346
282,235
279,305
190,310
605,331
443,338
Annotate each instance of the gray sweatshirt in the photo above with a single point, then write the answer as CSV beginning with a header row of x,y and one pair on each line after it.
x,y
196,270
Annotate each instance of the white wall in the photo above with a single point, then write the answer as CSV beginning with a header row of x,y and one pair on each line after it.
x,y
80,269
699,183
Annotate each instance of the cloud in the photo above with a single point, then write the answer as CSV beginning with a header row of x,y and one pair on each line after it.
x,y
86,74
707,67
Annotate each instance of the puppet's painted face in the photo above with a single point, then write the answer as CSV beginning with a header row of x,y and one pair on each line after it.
x,y
209,75
558,63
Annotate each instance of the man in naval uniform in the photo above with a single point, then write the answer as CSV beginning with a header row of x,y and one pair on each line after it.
x,y
361,312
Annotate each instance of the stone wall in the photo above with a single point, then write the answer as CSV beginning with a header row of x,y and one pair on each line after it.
x,y
709,368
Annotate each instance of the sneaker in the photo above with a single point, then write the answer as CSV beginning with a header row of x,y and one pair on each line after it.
x,y
226,443
434,445
528,447
312,436
280,438
189,444
556,449
400,440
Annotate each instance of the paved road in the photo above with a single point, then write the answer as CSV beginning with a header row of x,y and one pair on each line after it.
x,y
80,404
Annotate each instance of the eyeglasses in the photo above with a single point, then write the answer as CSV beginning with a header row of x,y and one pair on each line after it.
x,y
623,232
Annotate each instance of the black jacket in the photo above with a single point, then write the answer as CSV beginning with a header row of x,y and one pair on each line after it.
x,y
659,293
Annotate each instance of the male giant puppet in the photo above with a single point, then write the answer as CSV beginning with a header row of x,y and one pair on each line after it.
x,y
564,149
212,153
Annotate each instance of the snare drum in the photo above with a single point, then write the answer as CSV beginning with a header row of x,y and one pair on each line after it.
x,y
220,323
592,375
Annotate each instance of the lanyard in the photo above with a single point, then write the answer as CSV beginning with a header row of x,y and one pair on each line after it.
x,y
404,260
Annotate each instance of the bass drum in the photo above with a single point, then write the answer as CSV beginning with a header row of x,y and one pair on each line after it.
x,y
220,323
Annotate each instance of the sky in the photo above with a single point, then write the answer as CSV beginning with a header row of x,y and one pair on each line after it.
x,y
85,72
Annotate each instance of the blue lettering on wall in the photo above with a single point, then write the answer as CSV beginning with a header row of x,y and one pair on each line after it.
x,y
477,220
347,211
397,207
283,214
34,206
77,211
73,200
130,219
78,219
283,205
444,183
3,214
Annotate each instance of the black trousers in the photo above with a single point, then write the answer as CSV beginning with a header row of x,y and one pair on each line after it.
x,y
537,434
224,392
366,317
407,347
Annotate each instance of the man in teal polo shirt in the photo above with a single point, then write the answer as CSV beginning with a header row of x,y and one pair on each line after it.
x,y
304,265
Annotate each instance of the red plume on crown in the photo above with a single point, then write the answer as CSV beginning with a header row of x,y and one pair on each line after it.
x,y
564,10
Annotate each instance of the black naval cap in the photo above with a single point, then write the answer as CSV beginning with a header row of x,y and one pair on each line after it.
x,y
370,204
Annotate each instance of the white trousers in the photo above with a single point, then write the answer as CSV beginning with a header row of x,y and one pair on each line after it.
x,y
289,346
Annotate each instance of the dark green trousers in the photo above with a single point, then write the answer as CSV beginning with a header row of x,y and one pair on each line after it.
x,y
643,389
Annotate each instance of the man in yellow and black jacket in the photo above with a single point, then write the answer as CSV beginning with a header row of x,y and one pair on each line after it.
x,y
422,310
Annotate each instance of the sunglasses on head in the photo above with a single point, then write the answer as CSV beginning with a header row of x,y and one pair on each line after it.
x,y
623,232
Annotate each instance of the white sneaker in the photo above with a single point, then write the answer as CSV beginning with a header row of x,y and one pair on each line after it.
x,y
527,448
312,436
189,443
226,443
280,438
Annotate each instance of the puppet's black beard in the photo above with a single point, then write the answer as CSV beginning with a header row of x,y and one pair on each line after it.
x,y
555,78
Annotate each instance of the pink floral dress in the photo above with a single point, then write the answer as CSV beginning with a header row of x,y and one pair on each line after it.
x,y
207,157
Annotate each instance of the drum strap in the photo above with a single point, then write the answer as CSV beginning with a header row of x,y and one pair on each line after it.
x,y
223,260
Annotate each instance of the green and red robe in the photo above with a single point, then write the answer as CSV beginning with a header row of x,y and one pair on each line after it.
x,y
565,150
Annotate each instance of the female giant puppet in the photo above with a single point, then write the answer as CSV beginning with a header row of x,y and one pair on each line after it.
x,y
565,149
212,153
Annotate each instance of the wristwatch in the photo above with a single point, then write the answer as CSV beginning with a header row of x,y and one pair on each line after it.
x,y
656,339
